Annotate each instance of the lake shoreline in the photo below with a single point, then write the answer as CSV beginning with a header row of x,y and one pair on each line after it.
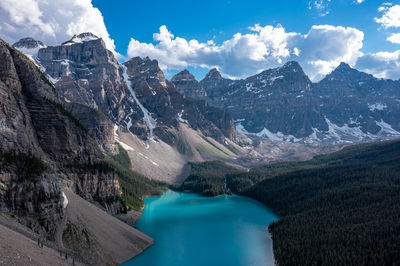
x,y
218,224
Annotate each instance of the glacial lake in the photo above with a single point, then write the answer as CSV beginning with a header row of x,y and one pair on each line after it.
x,y
189,229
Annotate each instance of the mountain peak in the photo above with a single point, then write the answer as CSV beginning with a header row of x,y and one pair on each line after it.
x,y
292,64
29,46
343,65
82,37
288,69
184,75
29,43
213,74
188,86
345,73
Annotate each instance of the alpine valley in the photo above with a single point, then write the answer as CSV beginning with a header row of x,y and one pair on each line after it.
x,y
85,138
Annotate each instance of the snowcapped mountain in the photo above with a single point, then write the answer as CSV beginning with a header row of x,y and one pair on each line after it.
x,y
79,38
282,104
29,46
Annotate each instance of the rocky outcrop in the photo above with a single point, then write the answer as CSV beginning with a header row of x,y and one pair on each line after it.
x,y
84,71
99,126
187,85
42,145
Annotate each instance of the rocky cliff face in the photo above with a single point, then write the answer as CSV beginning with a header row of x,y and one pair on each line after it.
x,y
187,85
282,104
135,96
41,145
357,100
168,108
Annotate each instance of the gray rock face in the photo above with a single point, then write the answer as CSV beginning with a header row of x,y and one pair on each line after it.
x,y
38,134
98,125
187,85
283,104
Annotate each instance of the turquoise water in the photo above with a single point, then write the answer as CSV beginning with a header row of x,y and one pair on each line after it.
x,y
192,230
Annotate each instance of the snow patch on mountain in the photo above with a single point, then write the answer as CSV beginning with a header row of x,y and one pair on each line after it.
x,y
347,133
83,37
180,114
377,106
31,52
148,119
117,139
386,129
265,133
65,200
52,80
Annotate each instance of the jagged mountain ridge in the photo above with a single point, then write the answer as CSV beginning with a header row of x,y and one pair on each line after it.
x,y
84,71
282,104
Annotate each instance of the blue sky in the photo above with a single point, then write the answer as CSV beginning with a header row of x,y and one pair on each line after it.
x,y
209,19
220,20
240,38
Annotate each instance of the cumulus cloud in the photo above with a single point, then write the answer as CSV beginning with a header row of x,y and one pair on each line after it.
x,y
381,64
318,51
394,38
390,16
51,21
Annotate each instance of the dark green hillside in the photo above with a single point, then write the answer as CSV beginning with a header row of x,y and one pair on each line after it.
x,y
208,178
337,209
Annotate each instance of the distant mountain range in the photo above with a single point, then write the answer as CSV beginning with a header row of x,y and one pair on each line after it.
x,y
282,104
278,105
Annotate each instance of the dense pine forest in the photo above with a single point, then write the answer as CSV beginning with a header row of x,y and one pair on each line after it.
x,y
336,209
208,178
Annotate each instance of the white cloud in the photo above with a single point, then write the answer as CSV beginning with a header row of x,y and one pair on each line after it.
x,y
321,6
51,21
359,1
390,17
318,51
394,38
381,64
